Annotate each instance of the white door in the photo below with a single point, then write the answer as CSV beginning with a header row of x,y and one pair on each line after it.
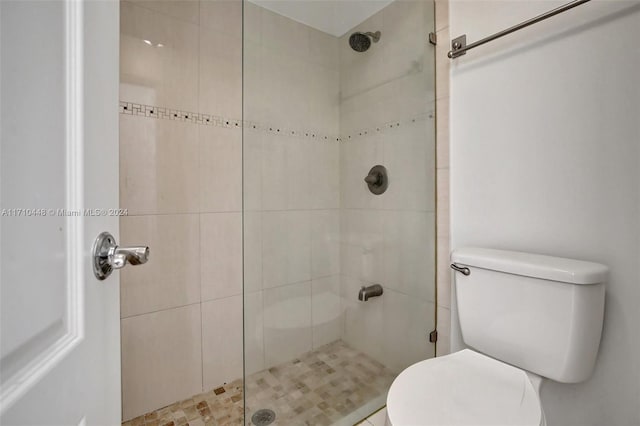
x,y
60,335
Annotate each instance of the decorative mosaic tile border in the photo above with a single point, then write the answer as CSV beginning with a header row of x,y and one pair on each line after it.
x,y
164,113
176,114
388,126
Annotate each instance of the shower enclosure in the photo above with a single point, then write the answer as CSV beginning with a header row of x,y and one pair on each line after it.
x,y
278,157
339,271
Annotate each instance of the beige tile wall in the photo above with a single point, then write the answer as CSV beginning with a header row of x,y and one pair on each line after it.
x,y
389,239
442,175
291,81
182,184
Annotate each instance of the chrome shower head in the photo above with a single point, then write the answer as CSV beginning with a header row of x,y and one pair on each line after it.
x,y
360,42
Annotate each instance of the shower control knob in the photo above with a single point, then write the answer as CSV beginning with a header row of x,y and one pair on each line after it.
x,y
377,179
373,179
107,255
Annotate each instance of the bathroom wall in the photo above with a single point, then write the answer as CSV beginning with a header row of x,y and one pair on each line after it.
x,y
387,117
545,158
291,184
181,181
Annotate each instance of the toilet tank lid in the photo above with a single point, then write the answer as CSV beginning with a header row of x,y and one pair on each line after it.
x,y
532,265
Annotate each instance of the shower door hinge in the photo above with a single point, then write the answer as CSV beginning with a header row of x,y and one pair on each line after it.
x,y
433,336
433,38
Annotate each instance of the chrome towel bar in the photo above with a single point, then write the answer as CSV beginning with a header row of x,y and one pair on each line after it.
x,y
460,47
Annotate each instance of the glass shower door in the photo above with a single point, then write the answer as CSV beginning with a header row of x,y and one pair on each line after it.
x,y
339,272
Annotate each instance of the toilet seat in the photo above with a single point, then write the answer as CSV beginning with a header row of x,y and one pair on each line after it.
x,y
463,388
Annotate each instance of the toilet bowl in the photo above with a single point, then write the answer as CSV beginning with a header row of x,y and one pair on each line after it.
x,y
523,317
464,388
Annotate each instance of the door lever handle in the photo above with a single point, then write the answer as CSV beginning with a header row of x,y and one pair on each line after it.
x,y
120,256
107,255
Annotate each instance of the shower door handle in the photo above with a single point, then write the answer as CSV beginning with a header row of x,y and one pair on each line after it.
x,y
107,255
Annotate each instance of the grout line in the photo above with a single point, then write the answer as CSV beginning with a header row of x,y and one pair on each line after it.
x,y
200,214
311,280
243,296
319,209
296,283
177,214
160,310
201,304
264,346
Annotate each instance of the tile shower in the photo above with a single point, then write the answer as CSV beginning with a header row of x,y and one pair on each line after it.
x,y
243,153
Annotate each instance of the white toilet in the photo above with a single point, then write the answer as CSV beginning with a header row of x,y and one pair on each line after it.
x,y
526,317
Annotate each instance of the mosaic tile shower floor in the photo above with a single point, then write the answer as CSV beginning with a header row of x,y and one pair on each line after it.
x,y
319,388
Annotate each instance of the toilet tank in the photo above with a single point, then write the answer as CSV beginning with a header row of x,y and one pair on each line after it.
x,y
540,313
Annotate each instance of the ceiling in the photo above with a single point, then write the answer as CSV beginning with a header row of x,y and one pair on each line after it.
x,y
334,17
